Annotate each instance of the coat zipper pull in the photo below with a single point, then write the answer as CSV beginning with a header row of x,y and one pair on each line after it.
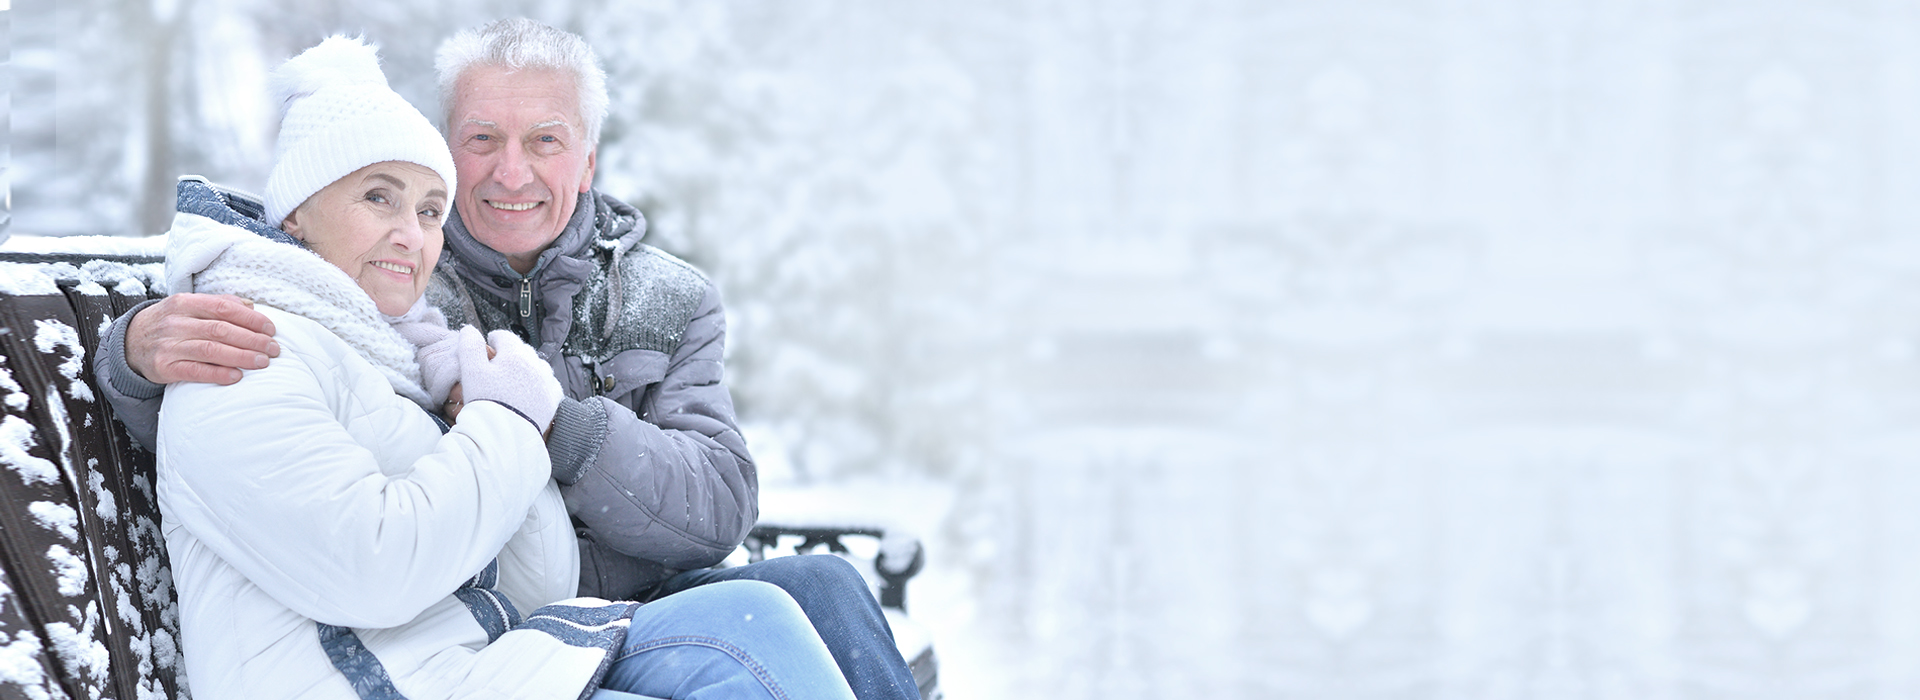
x,y
526,298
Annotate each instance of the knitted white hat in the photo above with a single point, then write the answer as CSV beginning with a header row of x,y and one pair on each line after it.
x,y
341,117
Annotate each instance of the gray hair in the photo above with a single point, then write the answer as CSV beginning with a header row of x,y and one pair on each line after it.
x,y
520,43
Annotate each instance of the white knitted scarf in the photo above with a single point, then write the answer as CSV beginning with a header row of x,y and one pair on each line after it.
x,y
209,257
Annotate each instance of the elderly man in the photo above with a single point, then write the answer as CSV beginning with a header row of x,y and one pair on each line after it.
x,y
651,463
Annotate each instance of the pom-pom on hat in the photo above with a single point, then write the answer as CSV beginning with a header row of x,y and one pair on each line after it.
x,y
340,116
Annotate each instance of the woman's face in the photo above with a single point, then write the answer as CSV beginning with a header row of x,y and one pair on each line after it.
x,y
381,224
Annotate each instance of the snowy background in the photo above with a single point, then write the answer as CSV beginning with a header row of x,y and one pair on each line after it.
x,y
1239,349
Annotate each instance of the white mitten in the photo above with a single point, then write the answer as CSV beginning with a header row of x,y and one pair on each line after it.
x,y
421,325
440,366
436,347
516,376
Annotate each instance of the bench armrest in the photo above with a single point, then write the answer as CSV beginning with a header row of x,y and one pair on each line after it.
x,y
897,558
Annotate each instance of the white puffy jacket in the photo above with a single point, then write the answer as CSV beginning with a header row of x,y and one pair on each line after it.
x,y
310,492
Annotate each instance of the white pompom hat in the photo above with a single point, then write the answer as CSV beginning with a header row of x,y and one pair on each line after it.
x,y
340,116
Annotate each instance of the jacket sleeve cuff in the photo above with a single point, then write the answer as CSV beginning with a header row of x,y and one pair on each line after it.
x,y
113,359
579,431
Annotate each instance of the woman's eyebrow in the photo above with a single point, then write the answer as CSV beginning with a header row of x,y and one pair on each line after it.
x,y
389,178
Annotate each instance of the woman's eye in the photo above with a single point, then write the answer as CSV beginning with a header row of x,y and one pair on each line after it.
x,y
376,198
430,212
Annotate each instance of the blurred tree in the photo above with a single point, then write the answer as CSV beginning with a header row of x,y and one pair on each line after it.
x,y
70,152
821,161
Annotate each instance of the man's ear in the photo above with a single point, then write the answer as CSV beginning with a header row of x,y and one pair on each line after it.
x,y
586,181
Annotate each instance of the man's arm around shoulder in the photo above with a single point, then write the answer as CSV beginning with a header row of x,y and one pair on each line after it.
x,y
185,337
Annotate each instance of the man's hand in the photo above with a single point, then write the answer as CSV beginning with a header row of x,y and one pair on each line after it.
x,y
199,338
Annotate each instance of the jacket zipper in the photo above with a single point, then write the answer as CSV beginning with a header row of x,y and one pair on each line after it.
x,y
526,299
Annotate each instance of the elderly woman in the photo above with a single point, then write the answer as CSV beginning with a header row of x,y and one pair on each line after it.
x,y
332,538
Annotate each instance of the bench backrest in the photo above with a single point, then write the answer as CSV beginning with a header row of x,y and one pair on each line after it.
x,y
87,608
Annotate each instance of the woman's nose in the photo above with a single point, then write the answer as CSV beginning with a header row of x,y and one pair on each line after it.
x,y
409,235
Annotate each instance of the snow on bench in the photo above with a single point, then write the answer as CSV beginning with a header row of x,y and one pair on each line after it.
x,y
86,601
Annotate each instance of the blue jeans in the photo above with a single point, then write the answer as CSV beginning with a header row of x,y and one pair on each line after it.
x,y
843,611
735,639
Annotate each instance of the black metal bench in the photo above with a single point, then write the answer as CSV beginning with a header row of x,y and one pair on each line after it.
x,y
888,574
87,608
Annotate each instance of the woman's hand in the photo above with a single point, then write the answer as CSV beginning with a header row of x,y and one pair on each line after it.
x,y
437,349
456,399
451,407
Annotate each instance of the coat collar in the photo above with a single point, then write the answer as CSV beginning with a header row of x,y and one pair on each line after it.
x,y
597,220
596,217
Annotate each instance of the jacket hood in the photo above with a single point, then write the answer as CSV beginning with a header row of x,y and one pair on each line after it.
x,y
225,205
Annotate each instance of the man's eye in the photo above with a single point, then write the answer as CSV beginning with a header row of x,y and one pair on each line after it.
x,y
549,138
482,137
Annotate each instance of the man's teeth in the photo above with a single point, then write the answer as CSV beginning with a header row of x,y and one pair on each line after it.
x,y
513,207
402,269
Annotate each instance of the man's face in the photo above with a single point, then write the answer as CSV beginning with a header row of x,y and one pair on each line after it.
x,y
520,150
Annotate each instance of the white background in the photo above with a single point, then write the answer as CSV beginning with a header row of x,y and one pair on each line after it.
x,y
1447,349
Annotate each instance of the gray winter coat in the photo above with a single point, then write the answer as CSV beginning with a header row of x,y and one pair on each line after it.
x,y
645,447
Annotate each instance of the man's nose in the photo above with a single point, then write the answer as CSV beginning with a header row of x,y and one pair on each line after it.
x,y
514,170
